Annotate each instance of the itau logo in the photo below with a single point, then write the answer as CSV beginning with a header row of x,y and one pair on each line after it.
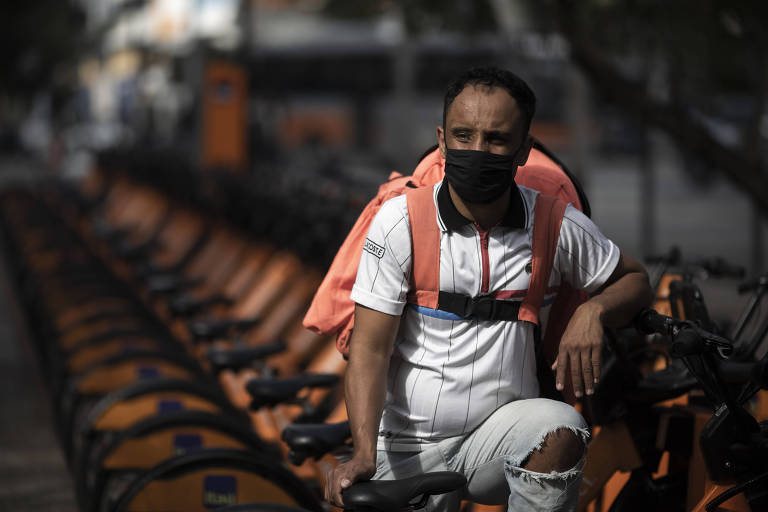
x,y
219,490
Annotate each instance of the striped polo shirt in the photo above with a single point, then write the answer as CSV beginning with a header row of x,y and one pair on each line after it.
x,y
447,374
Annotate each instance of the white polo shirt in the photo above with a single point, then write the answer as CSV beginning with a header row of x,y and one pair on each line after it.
x,y
448,374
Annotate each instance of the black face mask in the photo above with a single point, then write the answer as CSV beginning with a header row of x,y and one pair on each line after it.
x,y
479,176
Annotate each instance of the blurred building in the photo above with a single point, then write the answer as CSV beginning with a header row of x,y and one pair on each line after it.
x,y
320,86
335,94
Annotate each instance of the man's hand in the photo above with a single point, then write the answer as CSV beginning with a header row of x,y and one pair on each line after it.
x,y
344,475
614,305
581,349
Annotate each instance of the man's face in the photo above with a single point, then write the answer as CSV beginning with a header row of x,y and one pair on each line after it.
x,y
484,118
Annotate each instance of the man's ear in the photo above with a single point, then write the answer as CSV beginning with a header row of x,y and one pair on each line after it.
x,y
521,155
441,141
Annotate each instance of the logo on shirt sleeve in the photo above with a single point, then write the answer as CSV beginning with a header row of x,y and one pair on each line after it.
x,y
373,248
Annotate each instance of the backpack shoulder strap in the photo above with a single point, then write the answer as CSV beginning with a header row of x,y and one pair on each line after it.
x,y
425,243
547,218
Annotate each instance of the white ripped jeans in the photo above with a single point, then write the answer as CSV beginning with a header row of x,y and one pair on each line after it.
x,y
490,457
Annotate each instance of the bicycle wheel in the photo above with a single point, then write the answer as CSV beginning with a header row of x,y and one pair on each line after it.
x,y
202,480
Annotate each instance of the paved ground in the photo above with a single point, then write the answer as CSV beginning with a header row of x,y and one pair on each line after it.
x,y
33,474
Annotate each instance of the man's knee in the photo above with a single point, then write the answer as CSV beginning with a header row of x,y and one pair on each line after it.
x,y
560,451
562,446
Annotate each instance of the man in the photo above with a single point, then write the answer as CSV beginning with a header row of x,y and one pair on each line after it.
x,y
427,391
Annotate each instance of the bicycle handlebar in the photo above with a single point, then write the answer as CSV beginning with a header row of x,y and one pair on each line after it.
x,y
649,321
688,340
718,267
715,267
687,337
672,257
753,284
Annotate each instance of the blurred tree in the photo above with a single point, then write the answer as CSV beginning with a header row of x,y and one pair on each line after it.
x,y
697,69
37,37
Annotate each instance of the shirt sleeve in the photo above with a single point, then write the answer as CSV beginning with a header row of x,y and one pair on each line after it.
x,y
585,257
385,264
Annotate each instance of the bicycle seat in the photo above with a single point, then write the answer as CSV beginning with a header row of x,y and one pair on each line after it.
x,y
240,357
185,305
671,382
146,269
309,440
270,392
103,230
395,495
160,284
212,328
129,251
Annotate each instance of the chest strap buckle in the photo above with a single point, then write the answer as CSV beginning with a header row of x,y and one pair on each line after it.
x,y
483,307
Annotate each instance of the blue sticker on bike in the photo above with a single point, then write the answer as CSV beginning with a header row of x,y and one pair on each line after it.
x,y
185,443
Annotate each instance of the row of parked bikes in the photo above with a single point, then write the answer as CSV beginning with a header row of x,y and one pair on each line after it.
x,y
182,378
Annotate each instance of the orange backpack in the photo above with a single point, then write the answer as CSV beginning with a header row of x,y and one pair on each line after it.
x,y
332,311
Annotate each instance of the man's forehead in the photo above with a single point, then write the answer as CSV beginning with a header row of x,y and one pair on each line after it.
x,y
491,102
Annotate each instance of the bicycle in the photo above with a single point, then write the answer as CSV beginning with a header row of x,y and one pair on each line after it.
x,y
734,445
639,405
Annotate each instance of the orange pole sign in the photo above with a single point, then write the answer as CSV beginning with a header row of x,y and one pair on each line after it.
x,y
225,97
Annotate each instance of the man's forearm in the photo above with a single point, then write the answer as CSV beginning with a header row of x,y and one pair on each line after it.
x,y
365,388
618,303
365,392
366,378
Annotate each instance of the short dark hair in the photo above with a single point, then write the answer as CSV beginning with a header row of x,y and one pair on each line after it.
x,y
491,76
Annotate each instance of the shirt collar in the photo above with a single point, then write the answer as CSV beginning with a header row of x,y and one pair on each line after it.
x,y
515,217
